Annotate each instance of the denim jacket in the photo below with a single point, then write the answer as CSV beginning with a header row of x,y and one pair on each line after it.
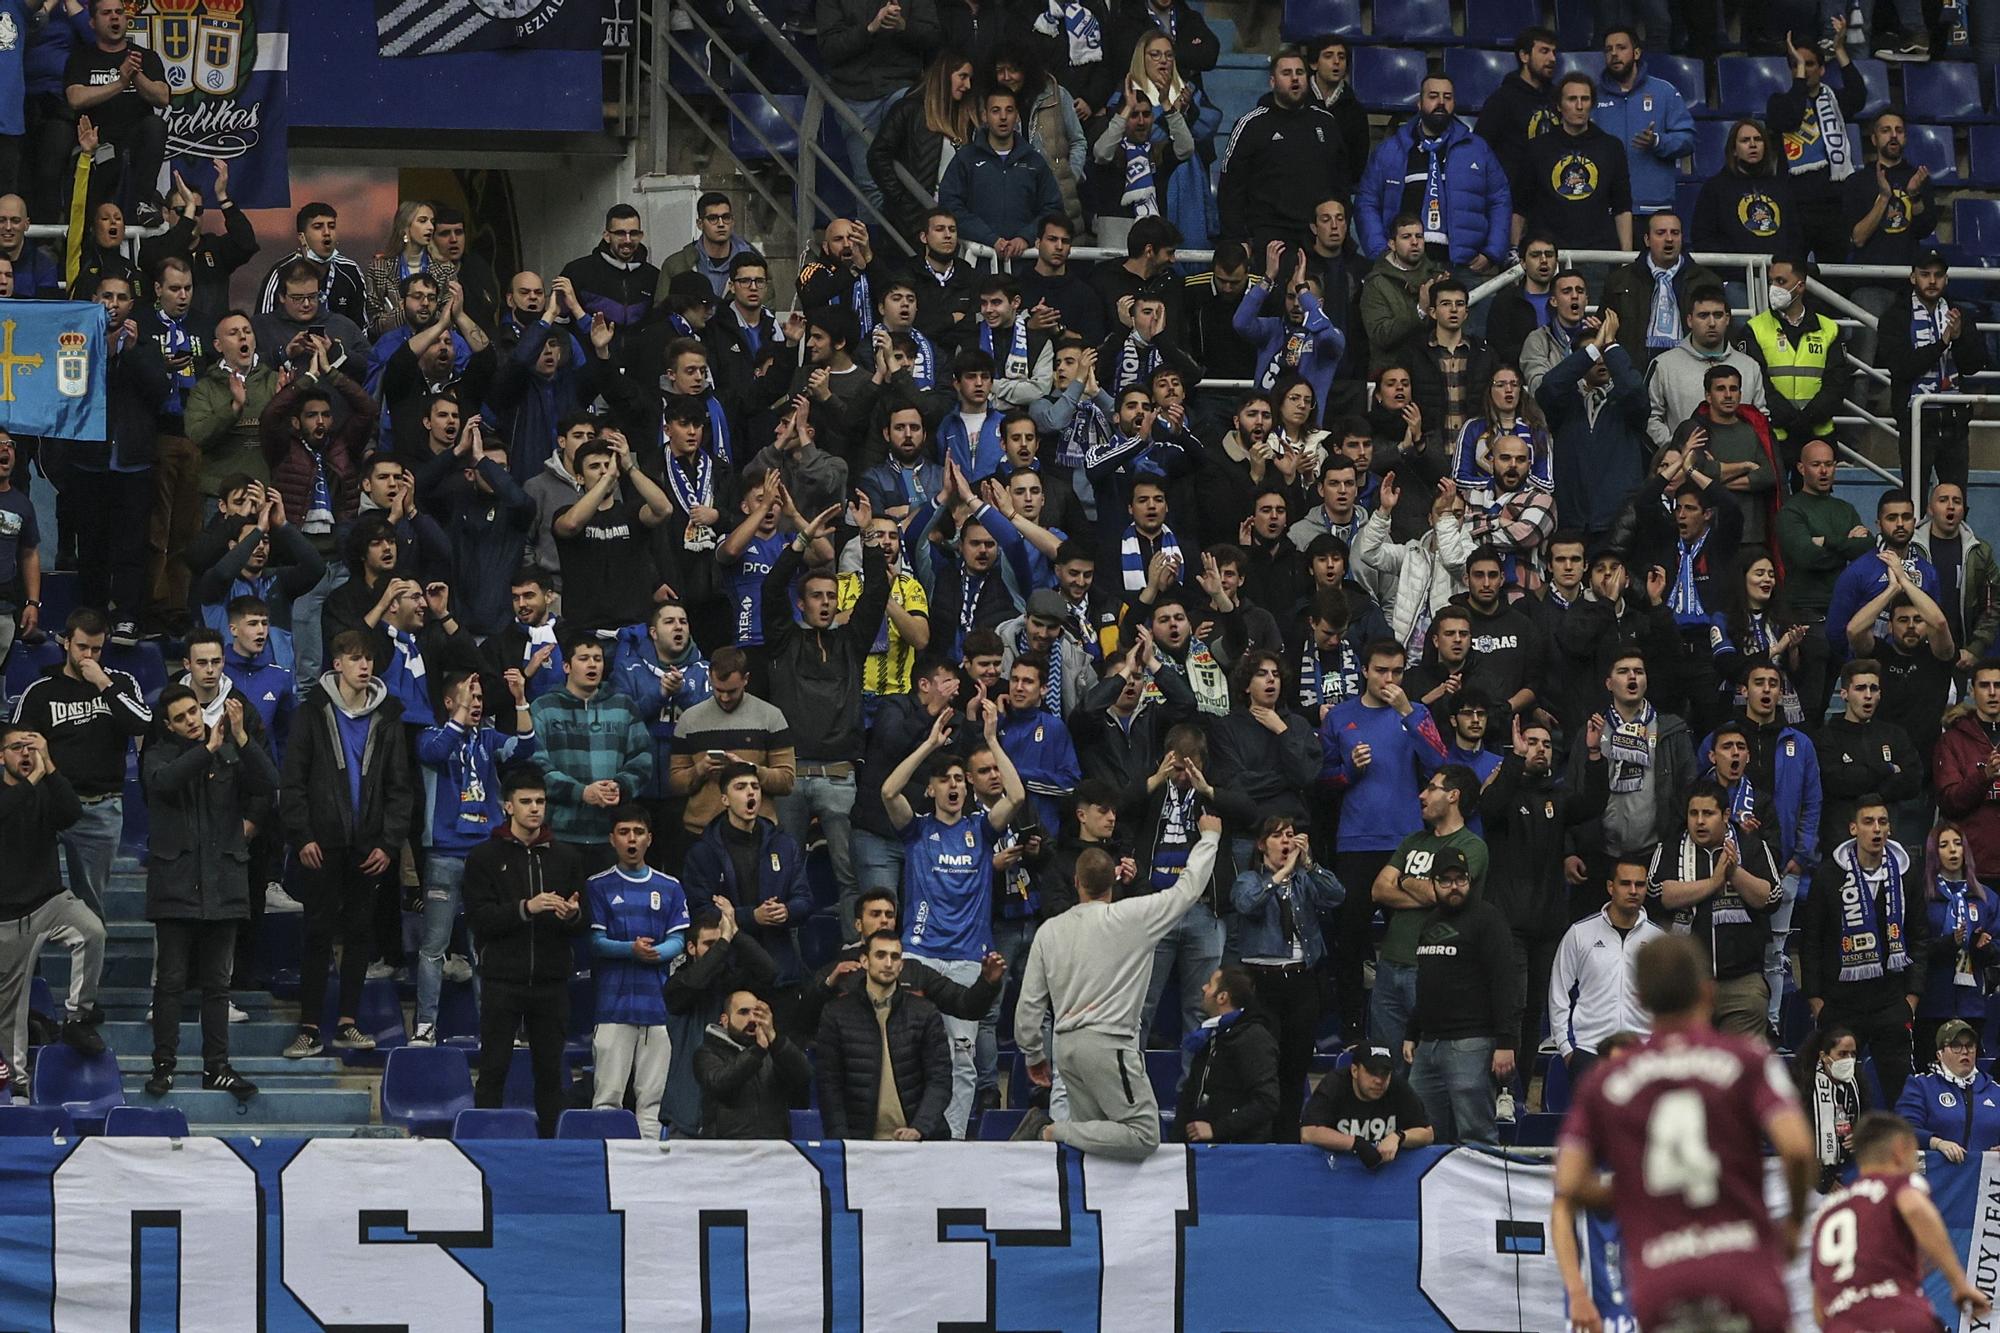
x,y
1260,900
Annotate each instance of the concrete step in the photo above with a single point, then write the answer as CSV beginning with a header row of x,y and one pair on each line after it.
x,y
135,1038
317,1072
259,1130
271,1106
130,1003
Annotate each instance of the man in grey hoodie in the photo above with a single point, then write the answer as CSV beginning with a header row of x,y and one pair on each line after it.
x,y
1674,381
555,488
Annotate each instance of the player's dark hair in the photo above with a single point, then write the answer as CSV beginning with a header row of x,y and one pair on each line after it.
x,y
1673,974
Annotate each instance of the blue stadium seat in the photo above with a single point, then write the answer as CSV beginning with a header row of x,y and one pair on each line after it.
x,y
1413,21
1744,84
1575,24
1555,1087
1304,20
43,1001
1686,195
425,1087
1976,225
1386,78
1498,22
1983,156
1688,75
86,1086
380,1016
1163,1070
1235,91
806,1125
142,661
1933,146
1711,142
146,1122
458,1011
1535,1130
613,1122
494,1122
1946,90
999,1124
34,1122
778,130
1590,62
1875,75
29,661
1476,75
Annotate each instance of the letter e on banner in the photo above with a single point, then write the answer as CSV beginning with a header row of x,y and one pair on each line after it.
x,y
199,1186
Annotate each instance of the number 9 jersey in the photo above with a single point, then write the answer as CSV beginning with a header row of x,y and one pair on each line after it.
x,y
1865,1273
1679,1124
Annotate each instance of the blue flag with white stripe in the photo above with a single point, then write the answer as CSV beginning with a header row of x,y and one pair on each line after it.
x,y
52,368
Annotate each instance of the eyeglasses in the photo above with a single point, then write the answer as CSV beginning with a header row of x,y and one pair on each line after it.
x,y
751,282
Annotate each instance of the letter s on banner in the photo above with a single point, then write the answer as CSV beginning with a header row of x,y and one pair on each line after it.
x,y
344,1279
198,1185
1142,1209
910,1277
669,1200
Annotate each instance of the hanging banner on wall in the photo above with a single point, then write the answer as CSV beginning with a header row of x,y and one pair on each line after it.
x,y
435,27
52,369
226,64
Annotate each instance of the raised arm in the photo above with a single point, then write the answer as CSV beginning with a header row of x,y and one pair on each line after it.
x,y
893,800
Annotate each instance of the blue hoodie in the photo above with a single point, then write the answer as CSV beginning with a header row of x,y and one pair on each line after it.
x,y
462,782
1795,773
1858,585
1479,212
1652,104
638,673
268,687
1324,344
1381,806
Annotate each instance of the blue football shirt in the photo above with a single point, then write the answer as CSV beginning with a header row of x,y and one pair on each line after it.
x,y
626,907
948,887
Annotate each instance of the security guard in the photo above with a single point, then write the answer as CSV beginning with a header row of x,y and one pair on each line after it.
x,y
1803,355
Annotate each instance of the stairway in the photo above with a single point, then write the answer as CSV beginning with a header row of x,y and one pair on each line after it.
x,y
316,1098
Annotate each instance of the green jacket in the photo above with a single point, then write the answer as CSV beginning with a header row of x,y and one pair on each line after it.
x,y
1389,306
1978,586
227,438
1812,568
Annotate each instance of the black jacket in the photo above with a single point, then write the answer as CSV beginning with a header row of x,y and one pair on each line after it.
x,y
515,946
1514,114
849,1054
1057,875
815,674
1857,759
904,140
1272,770
197,859
313,798
700,985
31,815
1466,977
135,389
748,1091
1821,930
1527,820
1427,390
919,978
213,256
1907,363
1278,168
1126,756
1232,1084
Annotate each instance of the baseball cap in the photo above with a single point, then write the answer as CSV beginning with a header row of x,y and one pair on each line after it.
x,y
1047,604
1956,1030
1447,860
1375,1059
1932,258
691,287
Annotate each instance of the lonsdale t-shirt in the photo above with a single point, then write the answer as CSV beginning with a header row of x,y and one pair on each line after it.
x,y
1414,858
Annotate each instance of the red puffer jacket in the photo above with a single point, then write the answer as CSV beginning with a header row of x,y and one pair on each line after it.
x,y
291,461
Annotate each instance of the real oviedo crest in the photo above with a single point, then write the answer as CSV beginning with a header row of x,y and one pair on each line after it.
x,y
72,364
209,49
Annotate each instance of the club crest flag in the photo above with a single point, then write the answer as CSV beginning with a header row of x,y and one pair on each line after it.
x,y
226,63
436,27
52,368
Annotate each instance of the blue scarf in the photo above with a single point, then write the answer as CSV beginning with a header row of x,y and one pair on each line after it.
x,y
403,269
1201,1036
1926,329
1136,360
1133,559
696,492
1052,691
1014,365
176,341
1434,184
1086,430
864,305
319,510
1742,802
719,443
1871,937
1140,195
1320,685
1084,35
1291,350
1665,329
1177,836
1685,599
1958,917
924,373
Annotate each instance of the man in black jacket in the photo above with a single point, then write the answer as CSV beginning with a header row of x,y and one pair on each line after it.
x,y
1522,108
36,804
1861,753
1929,345
1461,1032
346,803
1527,815
1283,159
523,902
751,1076
1118,731
843,974
815,681
1231,1091
884,1065
720,961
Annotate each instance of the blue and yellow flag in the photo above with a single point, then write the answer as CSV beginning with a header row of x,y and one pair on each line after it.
x,y
52,368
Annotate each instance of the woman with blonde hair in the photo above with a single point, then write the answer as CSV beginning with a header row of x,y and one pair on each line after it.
x,y
919,135
1182,113
408,249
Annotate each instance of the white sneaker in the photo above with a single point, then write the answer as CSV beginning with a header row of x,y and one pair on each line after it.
x,y
425,1035
1503,1106
1548,1046
237,1015
380,971
457,968
277,900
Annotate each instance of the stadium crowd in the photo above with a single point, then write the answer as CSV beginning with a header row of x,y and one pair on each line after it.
x,y
1288,654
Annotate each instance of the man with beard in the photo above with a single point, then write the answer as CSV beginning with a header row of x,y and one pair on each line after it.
x,y
1870,574
946,300
1445,176
1462,1028
1917,654
1861,753
1889,211
1283,158
615,280
1052,289
1646,114
660,668
1650,293
1513,513
1522,108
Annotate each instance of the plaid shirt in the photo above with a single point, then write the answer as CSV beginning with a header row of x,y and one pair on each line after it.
x,y
585,741
1517,522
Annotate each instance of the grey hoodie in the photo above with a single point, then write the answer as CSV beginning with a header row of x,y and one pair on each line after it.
x,y
1673,384
553,490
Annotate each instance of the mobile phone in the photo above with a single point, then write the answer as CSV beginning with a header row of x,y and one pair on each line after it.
x,y
719,756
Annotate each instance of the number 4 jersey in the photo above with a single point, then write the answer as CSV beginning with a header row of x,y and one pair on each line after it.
x,y
1679,1125
1865,1273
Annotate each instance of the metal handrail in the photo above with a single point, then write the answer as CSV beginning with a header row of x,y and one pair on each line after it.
x,y
1918,402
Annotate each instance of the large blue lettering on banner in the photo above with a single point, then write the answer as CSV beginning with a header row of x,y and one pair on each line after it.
x,y
289,1235
226,64
52,368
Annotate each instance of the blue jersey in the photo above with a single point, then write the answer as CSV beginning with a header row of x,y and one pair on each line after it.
x,y
623,908
746,585
948,887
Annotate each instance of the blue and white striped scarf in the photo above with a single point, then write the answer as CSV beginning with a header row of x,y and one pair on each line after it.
x,y
1133,559
1871,936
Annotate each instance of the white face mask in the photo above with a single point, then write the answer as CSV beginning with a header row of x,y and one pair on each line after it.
x,y
1781,297
1842,1069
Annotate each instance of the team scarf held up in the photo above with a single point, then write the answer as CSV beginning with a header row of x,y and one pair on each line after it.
x,y
1089,429
1761,640
1291,350
176,341
1958,924
924,373
1322,685
1079,27
1141,195
1177,835
1685,599
1136,360
1820,142
1630,747
1014,365
1871,933
1726,906
1132,560
696,492
1206,679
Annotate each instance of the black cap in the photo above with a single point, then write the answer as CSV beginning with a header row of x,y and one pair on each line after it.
x,y
1375,1059
691,287
1931,258
1448,860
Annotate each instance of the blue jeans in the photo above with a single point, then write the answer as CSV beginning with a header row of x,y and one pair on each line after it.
x,y
878,864
963,1033
1774,952
1194,946
308,653
90,847
871,113
1010,940
442,877
1454,1079
1390,1007
832,799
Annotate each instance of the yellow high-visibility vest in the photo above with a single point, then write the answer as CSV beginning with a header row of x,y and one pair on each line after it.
x,y
1795,360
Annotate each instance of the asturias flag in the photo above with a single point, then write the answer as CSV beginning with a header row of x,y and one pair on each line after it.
x,y
52,368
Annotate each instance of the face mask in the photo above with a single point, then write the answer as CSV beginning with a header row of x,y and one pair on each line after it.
x,y
1842,1069
1781,297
